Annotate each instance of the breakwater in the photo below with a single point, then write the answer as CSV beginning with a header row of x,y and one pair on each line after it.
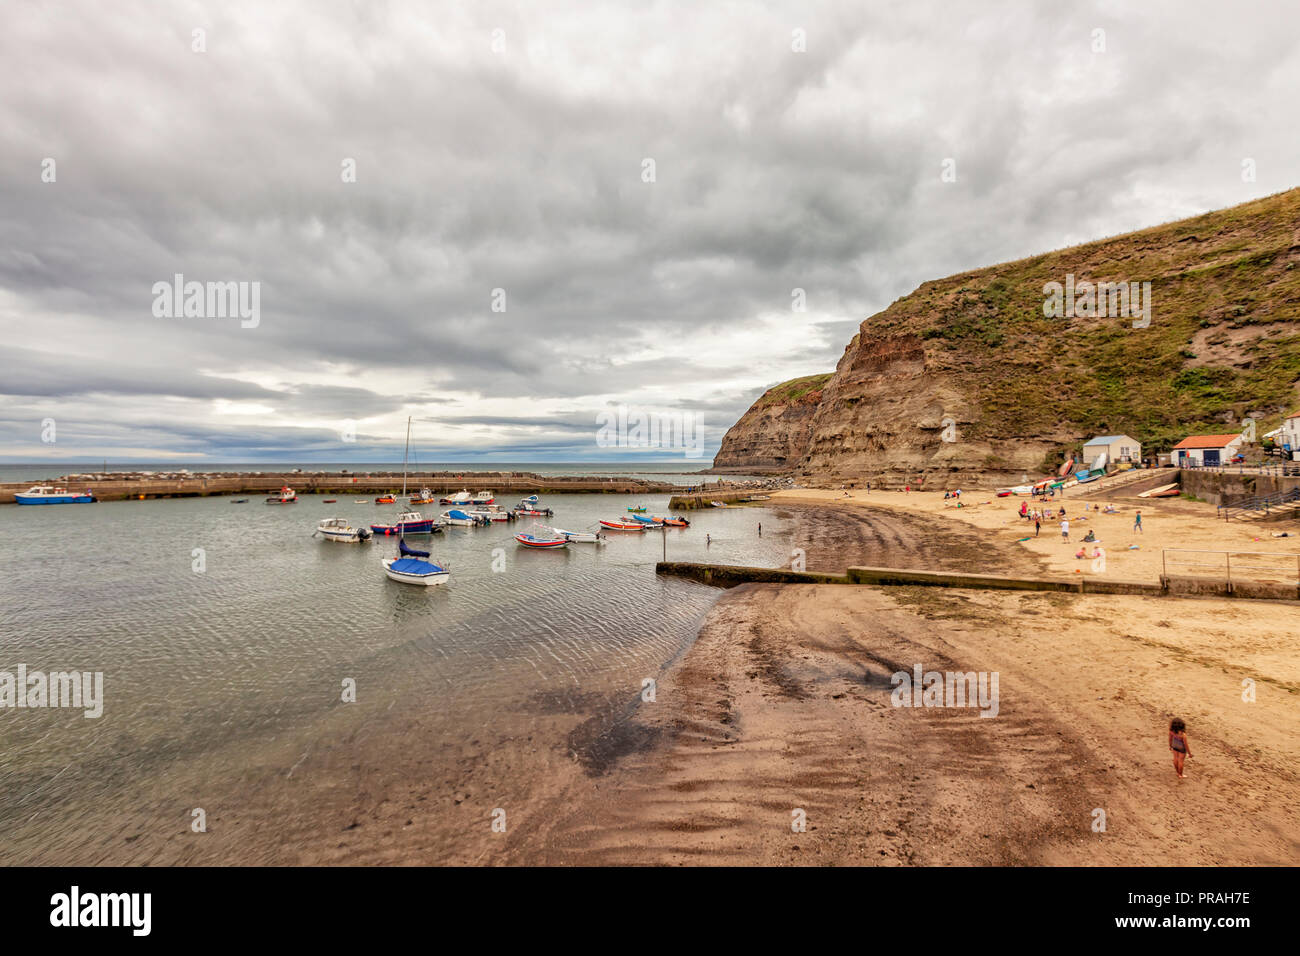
x,y
122,486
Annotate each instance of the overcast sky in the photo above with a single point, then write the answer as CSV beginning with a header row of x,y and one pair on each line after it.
x,y
502,146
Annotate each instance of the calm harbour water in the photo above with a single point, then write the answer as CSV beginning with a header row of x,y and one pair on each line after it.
x,y
216,674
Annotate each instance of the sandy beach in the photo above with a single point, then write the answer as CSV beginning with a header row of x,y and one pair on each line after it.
x,y
784,704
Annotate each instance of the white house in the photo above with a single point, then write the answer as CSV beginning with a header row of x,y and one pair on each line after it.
x,y
1197,450
1116,448
1289,439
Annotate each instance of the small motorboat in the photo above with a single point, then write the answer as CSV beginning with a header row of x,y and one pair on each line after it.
x,y
532,541
462,518
338,529
586,537
459,498
622,524
531,506
640,510
386,500
414,567
676,521
484,498
287,496
45,495
494,513
331,501
718,504
361,501
530,501
408,522
425,497
240,501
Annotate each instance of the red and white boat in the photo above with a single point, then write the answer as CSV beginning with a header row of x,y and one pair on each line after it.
x,y
532,541
287,496
621,524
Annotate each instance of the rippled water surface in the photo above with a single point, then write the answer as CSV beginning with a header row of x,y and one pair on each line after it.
x,y
215,675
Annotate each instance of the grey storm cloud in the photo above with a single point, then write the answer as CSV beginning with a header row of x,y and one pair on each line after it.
x,y
502,147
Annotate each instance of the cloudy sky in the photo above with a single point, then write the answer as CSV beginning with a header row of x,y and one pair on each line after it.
x,y
503,147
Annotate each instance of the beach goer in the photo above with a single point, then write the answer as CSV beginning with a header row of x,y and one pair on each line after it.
x,y
1038,523
708,540
1137,522
760,529
1090,537
1065,529
1081,553
1178,744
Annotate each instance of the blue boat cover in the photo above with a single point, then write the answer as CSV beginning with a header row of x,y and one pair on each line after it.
x,y
411,552
416,567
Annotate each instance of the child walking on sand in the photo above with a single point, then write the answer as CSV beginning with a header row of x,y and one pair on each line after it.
x,y
1137,523
1178,744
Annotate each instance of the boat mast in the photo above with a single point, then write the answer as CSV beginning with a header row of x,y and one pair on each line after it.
x,y
406,454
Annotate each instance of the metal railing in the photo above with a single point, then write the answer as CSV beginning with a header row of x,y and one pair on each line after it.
x,y
1285,568
1258,503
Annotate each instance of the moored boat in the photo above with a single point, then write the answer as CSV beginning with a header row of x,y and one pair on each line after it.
x,y
46,495
494,513
587,537
425,497
386,500
533,541
414,567
675,521
484,498
338,529
638,510
411,566
459,498
462,518
287,496
622,524
649,522
408,522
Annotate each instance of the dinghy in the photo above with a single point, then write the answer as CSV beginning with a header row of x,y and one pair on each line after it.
x,y
649,522
585,537
639,510
532,541
622,524
676,521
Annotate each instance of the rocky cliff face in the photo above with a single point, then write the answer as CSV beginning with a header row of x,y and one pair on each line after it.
x,y
773,435
971,377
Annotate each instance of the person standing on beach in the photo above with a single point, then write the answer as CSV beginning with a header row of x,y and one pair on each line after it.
x,y
1178,744
1137,522
1038,523
760,529
1065,529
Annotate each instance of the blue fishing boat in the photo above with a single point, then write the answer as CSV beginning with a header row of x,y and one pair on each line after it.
x,y
45,495
408,522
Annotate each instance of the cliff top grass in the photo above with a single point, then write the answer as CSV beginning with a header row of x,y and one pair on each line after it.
x,y
805,390
1223,340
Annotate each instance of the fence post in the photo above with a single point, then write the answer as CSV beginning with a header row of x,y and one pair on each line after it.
x,y
1227,557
